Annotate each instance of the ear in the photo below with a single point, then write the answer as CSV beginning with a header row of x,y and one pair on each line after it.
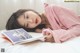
x,y
38,30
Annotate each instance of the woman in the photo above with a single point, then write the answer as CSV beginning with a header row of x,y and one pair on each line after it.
x,y
62,23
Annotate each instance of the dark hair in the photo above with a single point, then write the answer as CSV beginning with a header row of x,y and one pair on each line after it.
x,y
12,22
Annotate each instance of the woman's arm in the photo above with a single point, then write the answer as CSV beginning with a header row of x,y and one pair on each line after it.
x,y
38,30
70,20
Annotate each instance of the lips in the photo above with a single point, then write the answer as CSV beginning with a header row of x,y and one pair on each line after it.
x,y
36,21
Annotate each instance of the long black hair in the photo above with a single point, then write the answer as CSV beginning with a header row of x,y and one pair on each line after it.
x,y
12,22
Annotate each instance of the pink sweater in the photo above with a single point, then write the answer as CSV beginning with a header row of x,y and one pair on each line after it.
x,y
65,23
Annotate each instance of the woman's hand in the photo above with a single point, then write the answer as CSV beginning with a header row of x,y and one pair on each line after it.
x,y
48,35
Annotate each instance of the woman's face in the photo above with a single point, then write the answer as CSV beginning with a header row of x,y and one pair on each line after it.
x,y
29,19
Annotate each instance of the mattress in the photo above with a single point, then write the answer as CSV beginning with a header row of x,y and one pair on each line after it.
x,y
71,46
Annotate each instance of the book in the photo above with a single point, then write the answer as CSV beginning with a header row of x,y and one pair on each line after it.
x,y
19,36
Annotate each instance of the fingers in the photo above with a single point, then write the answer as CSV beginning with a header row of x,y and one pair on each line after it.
x,y
47,31
49,38
48,35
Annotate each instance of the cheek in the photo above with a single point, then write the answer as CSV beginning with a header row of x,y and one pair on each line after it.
x,y
21,21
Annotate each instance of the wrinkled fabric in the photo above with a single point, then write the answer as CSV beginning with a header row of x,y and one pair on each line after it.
x,y
64,22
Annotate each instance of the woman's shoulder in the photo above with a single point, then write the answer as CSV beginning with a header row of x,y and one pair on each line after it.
x,y
50,5
55,6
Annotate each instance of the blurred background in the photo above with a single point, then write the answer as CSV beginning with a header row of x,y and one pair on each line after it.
x,y
7,7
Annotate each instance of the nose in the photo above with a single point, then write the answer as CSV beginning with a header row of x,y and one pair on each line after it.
x,y
30,20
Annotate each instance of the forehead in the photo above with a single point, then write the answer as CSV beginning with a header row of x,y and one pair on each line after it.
x,y
21,20
30,12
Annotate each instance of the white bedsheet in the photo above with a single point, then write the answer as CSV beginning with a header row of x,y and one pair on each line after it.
x,y
71,46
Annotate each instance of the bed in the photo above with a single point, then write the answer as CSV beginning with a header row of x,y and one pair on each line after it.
x,y
71,46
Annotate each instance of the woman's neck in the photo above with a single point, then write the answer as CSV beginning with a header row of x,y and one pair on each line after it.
x,y
44,19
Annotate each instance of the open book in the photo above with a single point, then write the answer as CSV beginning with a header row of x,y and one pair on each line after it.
x,y
18,36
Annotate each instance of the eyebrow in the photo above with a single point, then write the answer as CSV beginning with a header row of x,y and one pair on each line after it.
x,y
24,18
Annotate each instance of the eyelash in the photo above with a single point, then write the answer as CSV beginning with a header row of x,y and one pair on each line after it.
x,y
27,17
